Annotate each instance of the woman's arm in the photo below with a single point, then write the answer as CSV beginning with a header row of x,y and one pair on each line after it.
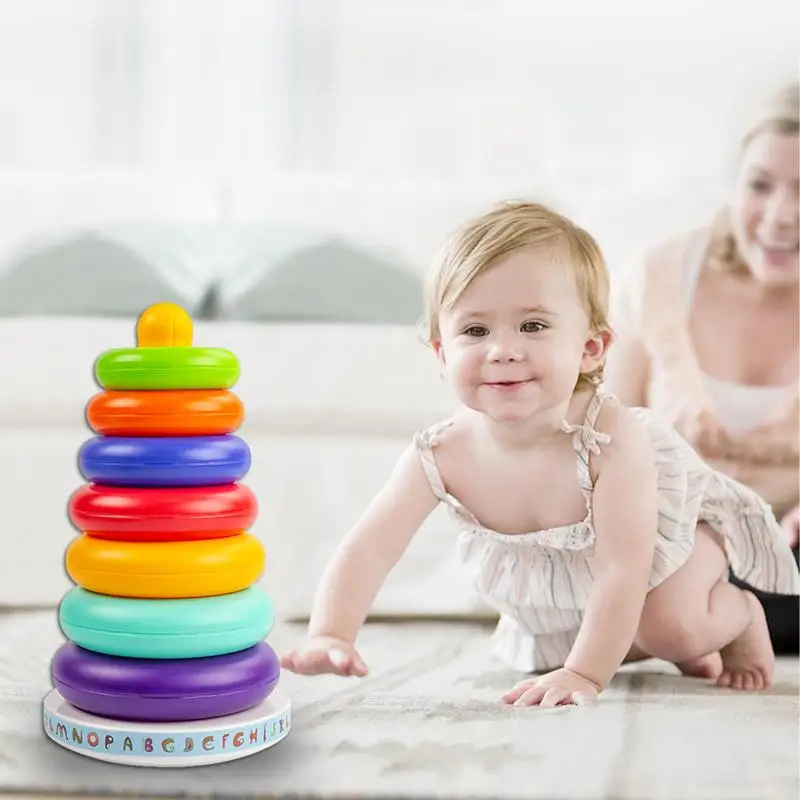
x,y
627,371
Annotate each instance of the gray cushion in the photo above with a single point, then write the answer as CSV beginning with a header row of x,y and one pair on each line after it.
x,y
109,272
306,276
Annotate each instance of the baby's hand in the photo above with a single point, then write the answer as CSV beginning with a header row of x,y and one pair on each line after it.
x,y
560,687
325,654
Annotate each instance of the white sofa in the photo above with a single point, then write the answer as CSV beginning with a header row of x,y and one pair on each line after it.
x,y
328,410
329,406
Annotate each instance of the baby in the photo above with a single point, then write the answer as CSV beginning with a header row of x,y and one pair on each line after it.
x,y
597,533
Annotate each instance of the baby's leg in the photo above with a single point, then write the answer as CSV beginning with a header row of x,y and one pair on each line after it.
x,y
709,666
695,613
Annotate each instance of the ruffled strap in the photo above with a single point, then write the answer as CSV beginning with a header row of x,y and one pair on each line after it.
x,y
586,441
425,441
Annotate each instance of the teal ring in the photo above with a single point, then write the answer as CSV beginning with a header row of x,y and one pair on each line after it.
x,y
172,628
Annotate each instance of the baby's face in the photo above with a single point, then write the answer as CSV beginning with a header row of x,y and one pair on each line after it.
x,y
514,342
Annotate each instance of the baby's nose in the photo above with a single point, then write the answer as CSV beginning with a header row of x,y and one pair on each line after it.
x,y
506,349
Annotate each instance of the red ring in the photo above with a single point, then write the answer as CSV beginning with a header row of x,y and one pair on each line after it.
x,y
140,535
145,513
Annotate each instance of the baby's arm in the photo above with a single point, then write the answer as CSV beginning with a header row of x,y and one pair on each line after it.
x,y
625,518
359,567
625,512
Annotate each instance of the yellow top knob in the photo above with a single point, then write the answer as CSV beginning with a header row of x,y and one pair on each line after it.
x,y
164,325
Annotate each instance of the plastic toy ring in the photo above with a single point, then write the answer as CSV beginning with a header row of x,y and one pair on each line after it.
x,y
138,512
198,412
165,569
164,461
165,357
182,628
143,368
154,690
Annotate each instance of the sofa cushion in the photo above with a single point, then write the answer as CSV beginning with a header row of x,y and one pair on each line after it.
x,y
328,409
293,274
114,271
323,377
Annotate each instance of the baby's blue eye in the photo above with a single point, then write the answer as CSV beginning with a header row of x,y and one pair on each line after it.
x,y
532,327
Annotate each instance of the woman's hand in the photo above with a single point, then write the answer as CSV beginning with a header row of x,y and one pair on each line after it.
x,y
708,436
791,526
711,440
325,654
558,688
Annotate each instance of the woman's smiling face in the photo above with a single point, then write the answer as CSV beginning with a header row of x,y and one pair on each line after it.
x,y
764,211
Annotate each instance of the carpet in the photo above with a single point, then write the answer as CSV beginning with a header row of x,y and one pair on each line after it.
x,y
427,723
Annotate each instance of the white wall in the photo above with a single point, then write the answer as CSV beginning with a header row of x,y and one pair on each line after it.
x,y
386,119
619,92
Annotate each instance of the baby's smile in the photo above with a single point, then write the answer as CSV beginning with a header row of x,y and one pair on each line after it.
x,y
507,386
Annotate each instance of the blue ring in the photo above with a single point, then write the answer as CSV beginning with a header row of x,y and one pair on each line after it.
x,y
164,461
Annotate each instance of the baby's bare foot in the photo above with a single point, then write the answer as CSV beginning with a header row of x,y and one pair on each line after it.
x,y
748,662
709,666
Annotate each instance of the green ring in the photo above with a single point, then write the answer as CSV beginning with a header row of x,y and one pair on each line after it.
x,y
167,368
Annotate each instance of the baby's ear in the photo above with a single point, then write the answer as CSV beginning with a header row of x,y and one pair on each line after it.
x,y
596,349
436,344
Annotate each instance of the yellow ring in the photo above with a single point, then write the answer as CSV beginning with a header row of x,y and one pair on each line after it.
x,y
204,568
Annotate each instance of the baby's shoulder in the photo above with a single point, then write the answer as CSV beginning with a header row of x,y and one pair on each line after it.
x,y
625,431
443,436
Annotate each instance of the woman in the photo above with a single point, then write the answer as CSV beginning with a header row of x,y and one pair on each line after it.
x,y
707,333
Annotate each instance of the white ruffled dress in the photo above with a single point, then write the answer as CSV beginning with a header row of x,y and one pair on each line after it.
x,y
539,582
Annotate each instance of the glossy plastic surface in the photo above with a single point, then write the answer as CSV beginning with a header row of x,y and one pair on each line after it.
x,y
164,460
128,510
189,412
165,569
182,628
155,690
165,357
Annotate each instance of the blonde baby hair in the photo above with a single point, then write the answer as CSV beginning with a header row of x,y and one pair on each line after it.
x,y
510,226
780,114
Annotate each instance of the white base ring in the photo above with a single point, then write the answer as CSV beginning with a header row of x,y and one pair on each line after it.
x,y
168,744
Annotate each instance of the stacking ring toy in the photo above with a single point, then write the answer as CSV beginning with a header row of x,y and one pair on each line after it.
x,y
189,412
154,690
164,629
164,461
165,357
165,569
163,536
162,513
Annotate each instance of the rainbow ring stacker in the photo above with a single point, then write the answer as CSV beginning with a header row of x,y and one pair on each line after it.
x,y
166,663
165,358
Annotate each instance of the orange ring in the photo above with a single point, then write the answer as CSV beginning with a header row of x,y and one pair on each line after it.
x,y
176,412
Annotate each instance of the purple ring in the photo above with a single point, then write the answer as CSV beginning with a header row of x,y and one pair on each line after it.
x,y
163,690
